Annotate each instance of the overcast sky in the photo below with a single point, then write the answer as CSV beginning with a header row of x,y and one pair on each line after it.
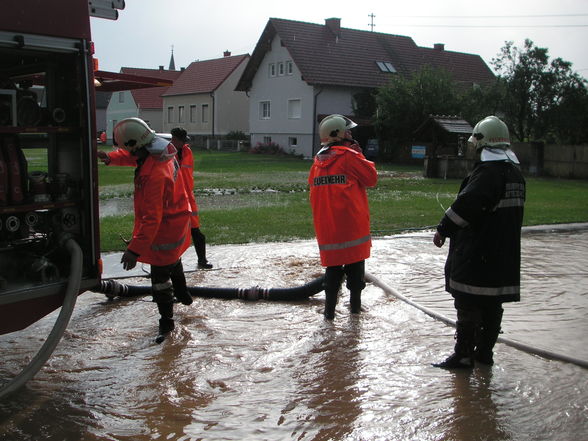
x,y
146,30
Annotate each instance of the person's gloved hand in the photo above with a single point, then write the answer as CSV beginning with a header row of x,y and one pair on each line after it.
x,y
129,260
103,156
438,240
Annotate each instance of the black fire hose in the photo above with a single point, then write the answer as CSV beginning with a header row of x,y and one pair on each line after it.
x,y
112,288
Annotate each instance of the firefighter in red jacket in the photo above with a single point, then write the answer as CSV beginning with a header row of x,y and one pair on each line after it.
x,y
161,230
338,180
186,160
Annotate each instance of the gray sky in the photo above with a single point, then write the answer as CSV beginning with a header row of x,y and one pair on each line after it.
x,y
200,29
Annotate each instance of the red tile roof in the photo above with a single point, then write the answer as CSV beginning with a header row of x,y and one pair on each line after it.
x,y
205,76
150,98
349,57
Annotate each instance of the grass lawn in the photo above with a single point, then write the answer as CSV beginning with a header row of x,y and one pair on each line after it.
x,y
261,198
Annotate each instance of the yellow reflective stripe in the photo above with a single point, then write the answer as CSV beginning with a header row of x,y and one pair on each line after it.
x,y
162,286
343,245
456,218
167,246
484,290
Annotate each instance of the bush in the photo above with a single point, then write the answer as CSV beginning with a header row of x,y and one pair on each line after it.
x,y
267,149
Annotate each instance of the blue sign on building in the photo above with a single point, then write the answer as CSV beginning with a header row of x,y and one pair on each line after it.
x,y
419,151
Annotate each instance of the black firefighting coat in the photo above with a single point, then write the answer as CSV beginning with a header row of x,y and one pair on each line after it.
x,y
484,227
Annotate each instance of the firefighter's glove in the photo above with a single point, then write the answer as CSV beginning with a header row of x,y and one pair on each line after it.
x,y
129,260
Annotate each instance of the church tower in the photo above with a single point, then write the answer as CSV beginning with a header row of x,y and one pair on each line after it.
x,y
172,64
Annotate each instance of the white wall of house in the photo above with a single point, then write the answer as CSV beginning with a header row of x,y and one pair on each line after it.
x,y
231,107
121,106
281,104
192,112
334,100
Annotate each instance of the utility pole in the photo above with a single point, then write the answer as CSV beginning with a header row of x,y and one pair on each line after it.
x,y
372,16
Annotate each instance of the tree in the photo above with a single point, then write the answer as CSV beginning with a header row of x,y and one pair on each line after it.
x,y
405,103
536,91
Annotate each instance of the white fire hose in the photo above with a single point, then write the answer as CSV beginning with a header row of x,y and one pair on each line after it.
x,y
515,344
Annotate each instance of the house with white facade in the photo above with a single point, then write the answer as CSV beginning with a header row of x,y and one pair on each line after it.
x,y
145,103
203,100
300,72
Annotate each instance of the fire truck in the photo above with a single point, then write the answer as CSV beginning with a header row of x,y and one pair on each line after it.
x,y
49,224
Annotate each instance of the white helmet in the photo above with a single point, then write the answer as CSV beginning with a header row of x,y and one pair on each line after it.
x,y
490,132
491,137
133,133
333,127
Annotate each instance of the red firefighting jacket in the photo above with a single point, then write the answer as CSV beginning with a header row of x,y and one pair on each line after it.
x,y
187,170
338,180
161,231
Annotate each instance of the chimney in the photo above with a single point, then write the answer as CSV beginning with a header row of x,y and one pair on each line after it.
x,y
160,67
227,53
334,25
439,46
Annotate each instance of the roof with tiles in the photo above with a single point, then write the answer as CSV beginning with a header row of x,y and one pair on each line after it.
x,y
206,76
331,55
151,97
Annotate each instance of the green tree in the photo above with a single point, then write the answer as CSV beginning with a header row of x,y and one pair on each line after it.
x,y
535,90
405,103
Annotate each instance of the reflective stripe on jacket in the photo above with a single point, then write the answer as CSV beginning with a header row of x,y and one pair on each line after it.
x,y
484,226
338,179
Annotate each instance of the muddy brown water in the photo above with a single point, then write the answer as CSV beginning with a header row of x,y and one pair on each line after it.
x,y
238,370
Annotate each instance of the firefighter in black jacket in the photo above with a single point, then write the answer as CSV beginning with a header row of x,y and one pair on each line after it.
x,y
484,226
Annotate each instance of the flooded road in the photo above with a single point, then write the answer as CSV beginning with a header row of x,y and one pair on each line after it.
x,y
237,370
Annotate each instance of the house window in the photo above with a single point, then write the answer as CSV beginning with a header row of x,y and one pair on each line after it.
x,y
293,141
294,109
281,69
121,97
289,67
192,113
386,66
267,139
181,114
265,110
204,113
272,70
170,114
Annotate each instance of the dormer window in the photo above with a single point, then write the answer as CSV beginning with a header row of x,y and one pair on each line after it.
x,y
386,66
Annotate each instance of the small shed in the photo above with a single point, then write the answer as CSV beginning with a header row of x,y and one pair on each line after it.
x,y
445,139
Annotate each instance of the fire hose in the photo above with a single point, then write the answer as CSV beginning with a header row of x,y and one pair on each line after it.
x,y
545,353
69,302
112,288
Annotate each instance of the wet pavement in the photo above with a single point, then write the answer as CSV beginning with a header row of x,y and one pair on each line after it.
x,y
239,370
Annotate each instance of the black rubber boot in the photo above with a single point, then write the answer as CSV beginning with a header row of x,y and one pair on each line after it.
x,y
166,322
355,301
200,246
463,355
178,280
331,297
487,335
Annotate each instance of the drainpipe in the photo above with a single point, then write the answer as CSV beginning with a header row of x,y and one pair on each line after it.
x,y
314,121
213,111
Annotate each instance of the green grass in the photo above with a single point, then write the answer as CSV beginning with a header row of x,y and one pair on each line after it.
x,y
402,200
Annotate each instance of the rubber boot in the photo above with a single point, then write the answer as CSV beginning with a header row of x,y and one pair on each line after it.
x,y
487,336
355,301
166,322
331,297
178,280
200,246
463,355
